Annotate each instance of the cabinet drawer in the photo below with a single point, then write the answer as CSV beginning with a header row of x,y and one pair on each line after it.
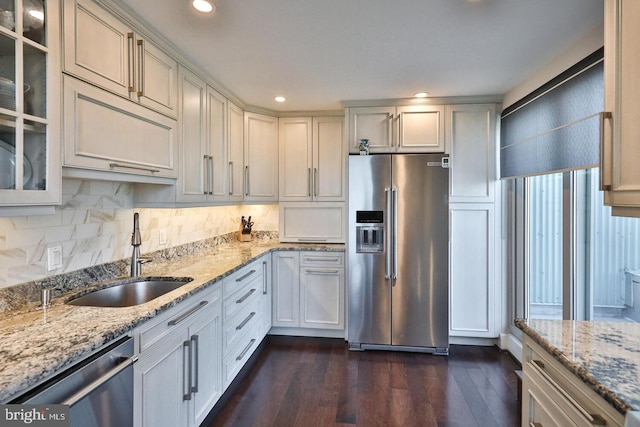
x,y
239,280
321,259
242,298
576,399
237,326
235,358
157,329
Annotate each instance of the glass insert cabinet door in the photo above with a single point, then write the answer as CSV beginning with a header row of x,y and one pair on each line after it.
x,y
29,144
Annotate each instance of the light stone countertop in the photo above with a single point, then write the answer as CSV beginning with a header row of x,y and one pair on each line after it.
x,y
37,343
604,355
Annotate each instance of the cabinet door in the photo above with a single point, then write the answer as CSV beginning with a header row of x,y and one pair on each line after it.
x,y
161,384
312,222
194,184
157,78
329,176
217,142
619,162
295,145
30,135
98,47
322,298
260,158
471,141
421,129
206,338
104,132
472,304
286,289
374,124
235,161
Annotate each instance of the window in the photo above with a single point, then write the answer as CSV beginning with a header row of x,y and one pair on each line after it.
x,y
577,260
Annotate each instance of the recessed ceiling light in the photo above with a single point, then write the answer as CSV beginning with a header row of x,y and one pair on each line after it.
x,y
280,98
204,6
421,94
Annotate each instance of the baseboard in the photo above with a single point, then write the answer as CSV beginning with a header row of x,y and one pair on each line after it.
x,y
514,346
307,332
484,342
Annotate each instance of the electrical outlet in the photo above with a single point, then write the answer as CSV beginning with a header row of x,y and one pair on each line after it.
x,y
54,258
162,238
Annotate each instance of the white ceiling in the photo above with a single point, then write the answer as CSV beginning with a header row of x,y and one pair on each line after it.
x,y
317,53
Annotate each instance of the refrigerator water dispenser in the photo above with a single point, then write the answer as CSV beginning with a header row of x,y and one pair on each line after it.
x,y
369,237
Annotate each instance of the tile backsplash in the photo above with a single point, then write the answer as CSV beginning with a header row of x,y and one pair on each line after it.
x,y
94,224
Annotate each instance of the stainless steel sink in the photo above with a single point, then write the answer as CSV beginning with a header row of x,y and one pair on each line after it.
x,y
133,291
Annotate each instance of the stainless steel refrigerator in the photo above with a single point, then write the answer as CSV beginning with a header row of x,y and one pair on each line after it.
x,y
399,252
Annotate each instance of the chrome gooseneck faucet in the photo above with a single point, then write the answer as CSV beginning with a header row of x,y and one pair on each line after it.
x,y
136,241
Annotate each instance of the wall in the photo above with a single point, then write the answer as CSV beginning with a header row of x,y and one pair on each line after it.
x,y
574,54
94,225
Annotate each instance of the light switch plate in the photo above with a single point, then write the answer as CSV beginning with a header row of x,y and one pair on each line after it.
x,y
162,238
54,258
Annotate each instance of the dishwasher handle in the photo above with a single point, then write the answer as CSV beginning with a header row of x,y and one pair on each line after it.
x,y
85,391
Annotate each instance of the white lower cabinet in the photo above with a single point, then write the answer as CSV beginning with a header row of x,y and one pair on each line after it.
x,y
308,290
244,328
177,377
472,277
553,396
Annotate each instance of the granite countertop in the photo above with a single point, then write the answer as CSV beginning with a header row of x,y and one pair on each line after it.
x,y
36,343
604,355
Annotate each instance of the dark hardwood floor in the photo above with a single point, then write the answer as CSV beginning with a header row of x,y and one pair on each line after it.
x,y
319,382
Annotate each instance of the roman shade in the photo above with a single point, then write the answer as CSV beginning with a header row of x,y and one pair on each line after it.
x,y
557,127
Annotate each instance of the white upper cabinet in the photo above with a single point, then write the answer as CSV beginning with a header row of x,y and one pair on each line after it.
x,y
471,141
102,49
260,158
420,128
312,164
404,129
30,116
235,149
296,158
620,153
195,180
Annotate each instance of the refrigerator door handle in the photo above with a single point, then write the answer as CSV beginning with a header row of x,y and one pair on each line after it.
x,y
387,258
395,234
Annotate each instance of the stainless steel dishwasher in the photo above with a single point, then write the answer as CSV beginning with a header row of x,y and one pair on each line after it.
x,y
99,390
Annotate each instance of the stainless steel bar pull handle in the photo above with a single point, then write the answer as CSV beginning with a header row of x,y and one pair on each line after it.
x,y
186,354
316,186
130,54
140,44
118,165
85,391
245,321
187,314
205,178
245,296
309,181
211,175
387,258
240,279
395,234
230,178
196,352
244,351
605,153
264,278
246,180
